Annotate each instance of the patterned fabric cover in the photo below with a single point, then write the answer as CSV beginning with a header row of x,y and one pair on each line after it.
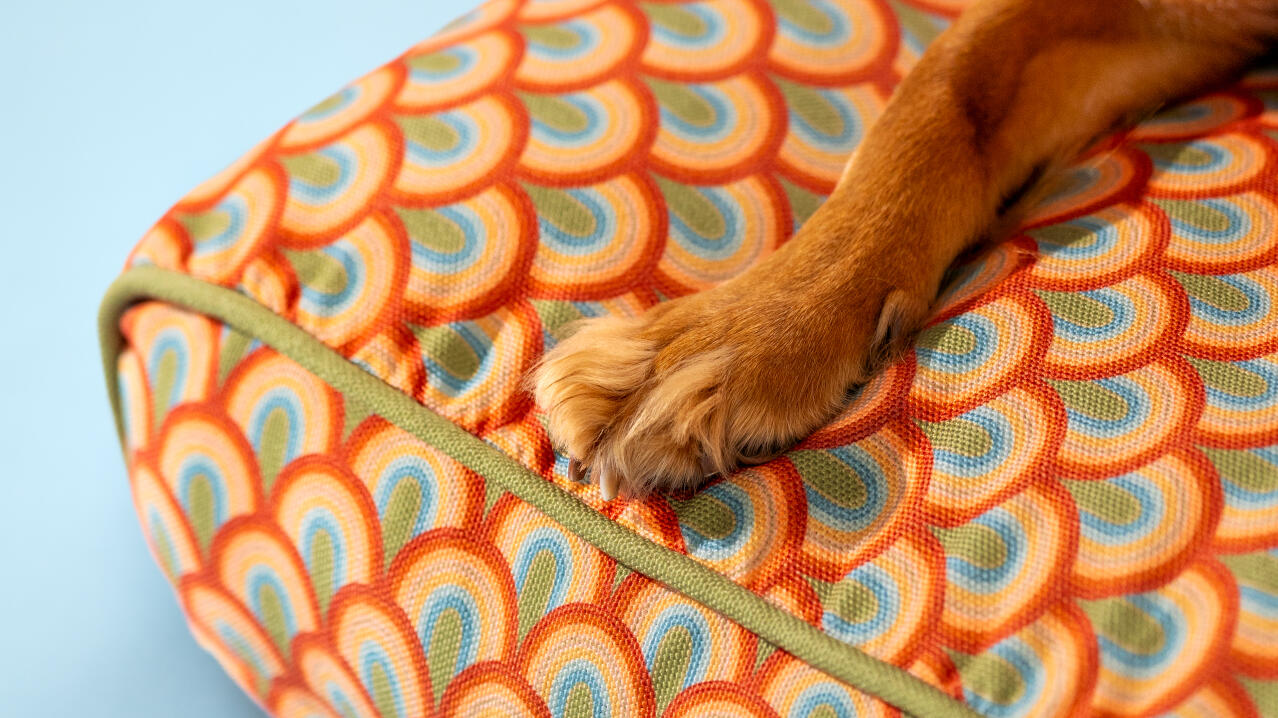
x,y
1063,502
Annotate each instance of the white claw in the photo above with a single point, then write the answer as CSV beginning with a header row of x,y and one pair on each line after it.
x,y
608,482
707,467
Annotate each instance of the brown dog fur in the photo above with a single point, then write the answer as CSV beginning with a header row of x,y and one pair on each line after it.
x,y
705,383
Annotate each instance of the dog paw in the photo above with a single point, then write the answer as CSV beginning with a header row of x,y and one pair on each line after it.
x,y
704,384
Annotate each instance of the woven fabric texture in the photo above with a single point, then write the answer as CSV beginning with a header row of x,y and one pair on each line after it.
x,y
366,573
1063,501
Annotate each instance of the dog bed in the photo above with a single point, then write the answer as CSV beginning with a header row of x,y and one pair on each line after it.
x,y
1063,501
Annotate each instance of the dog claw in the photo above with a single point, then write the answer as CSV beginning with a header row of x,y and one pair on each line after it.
x,y
576,472
707,467
608,483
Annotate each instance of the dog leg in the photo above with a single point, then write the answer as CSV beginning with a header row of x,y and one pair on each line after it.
x,y
730,376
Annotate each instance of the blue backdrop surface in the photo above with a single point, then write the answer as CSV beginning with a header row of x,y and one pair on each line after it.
x,y
111,112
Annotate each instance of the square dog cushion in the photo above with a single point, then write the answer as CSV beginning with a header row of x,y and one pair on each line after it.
x,y
1062,502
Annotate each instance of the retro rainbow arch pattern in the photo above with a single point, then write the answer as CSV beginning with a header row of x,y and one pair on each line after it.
x,y
1063,502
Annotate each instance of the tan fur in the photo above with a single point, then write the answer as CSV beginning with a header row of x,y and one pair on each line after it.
x,y
708,382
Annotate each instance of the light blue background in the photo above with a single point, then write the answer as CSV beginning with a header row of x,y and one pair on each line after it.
x,y
110,112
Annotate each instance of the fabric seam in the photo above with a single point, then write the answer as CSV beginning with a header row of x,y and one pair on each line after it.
x,y
679,572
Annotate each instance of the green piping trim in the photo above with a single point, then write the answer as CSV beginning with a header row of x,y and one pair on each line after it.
x,y
681,573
